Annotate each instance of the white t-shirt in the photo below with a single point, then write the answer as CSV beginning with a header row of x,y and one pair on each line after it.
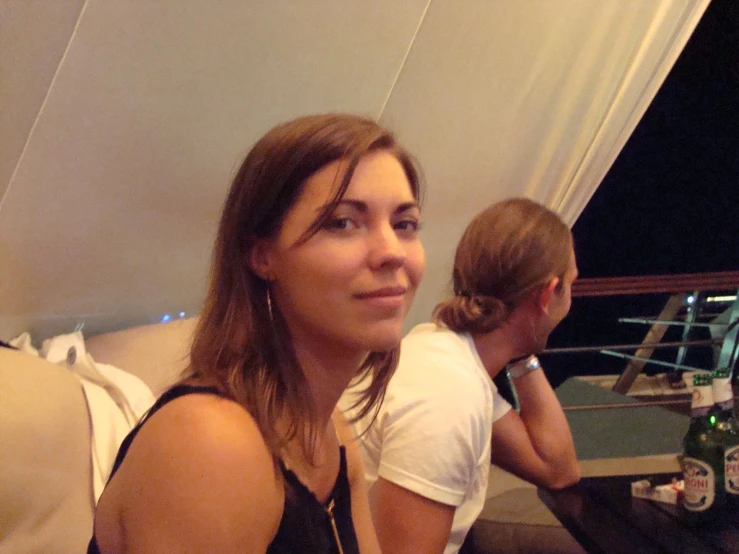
x,y
432,434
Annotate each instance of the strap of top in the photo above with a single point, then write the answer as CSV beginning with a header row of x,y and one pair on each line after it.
x,y
174,393
182,390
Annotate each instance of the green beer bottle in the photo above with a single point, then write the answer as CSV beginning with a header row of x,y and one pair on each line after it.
x,y
703,462
728,428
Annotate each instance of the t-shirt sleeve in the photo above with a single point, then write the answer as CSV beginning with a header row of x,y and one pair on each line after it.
x,y
433,436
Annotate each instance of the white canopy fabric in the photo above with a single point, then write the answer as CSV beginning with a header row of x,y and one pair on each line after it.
x,y
122,123
541,107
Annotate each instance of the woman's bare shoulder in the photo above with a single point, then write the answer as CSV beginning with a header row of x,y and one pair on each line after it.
x,y
216,428
202,471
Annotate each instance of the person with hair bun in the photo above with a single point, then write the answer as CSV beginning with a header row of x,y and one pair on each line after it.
x,y
428,451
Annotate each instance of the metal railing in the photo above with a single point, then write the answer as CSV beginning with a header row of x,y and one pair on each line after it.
x,y
688,297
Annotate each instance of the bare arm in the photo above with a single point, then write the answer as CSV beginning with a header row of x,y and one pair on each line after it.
x,y
183,486
537,444
408,523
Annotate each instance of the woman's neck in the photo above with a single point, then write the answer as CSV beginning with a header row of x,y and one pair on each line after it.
x,y
328,371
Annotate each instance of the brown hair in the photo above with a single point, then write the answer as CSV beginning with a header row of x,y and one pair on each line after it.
x,y
242,342
506,251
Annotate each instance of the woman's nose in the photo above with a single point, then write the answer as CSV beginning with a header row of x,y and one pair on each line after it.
x,y
386,249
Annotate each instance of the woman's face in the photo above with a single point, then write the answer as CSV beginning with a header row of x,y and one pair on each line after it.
x,y
350,285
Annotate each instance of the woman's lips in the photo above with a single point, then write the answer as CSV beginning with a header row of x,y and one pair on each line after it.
x,y
385,297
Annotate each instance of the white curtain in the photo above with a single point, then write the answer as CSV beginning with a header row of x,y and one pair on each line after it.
x,y
526,98
129,118
531,97
633,65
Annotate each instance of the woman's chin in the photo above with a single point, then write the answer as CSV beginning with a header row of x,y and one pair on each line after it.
x,y
378,338
383,340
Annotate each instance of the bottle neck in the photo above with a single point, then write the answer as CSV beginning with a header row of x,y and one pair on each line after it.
x,y
727,407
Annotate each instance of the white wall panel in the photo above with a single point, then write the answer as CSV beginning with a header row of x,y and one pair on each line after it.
x,y
33,37
114,204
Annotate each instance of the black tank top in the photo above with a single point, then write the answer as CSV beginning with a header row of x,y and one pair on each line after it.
x,y
307,526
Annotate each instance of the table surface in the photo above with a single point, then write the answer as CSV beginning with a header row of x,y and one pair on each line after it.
x,y
651,430
600,513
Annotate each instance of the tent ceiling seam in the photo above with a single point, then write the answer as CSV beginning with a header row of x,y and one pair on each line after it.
x,y
43,105
402,63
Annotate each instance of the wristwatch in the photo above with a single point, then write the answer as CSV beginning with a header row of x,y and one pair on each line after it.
x,y
521,368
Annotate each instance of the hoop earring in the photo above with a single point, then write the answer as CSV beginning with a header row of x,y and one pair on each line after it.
x,y
269,306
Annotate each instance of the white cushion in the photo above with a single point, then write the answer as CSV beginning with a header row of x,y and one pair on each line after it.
x,y
46,501
157,353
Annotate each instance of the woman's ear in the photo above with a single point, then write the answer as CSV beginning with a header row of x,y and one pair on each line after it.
x,y
545,295
260,259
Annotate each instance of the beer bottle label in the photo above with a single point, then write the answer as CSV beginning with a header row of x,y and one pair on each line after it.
x,y
700,485
702,397
731,470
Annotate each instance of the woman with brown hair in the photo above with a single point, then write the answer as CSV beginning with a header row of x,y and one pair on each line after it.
x,y
428,453
316,262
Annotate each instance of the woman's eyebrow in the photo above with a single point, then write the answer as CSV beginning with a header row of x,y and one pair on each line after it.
x,y
356,204
405,206
363,207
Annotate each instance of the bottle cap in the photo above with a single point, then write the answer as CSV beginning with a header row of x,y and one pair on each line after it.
x,y
721,373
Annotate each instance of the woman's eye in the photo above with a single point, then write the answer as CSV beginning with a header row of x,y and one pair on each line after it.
x,y
340,224
412,225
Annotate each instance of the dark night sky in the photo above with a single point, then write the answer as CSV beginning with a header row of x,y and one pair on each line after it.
x,y
670,203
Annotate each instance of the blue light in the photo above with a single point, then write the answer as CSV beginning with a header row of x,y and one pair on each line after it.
x,y
691,299
182,314
166,318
